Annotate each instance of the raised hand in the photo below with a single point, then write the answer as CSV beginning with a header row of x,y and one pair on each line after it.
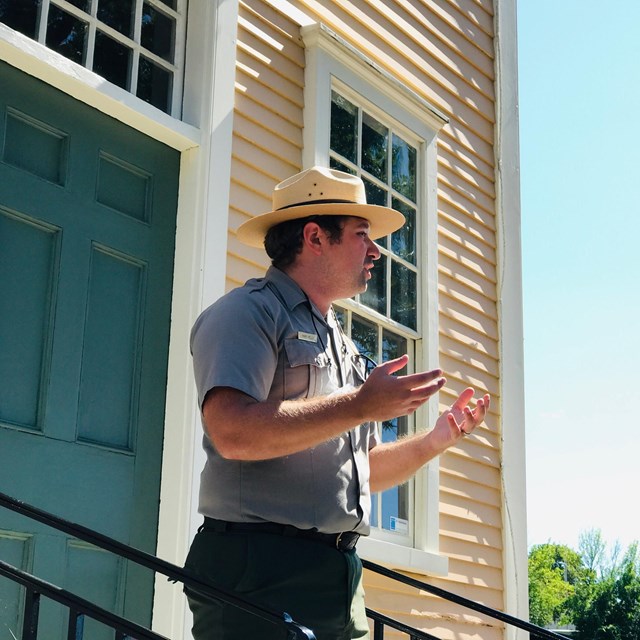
x,y
459,420
385,396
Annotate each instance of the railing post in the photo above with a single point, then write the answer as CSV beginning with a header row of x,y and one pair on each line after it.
x,y
31,615
75,630
378,630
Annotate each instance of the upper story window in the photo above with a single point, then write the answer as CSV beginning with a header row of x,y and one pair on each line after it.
x,y
137,45
383,321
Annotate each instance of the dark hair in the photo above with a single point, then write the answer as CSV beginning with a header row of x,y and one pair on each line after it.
x,y
283,241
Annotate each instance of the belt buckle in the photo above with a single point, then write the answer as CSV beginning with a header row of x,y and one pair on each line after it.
x,y
338,538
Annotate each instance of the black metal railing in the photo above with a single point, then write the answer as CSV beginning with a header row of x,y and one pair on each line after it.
x,y
79,608
174,573
536,633
125,629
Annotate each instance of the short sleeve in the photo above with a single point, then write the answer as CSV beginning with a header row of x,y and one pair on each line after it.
x,y
234,344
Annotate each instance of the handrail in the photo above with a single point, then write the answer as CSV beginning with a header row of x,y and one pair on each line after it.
x,y
296,630
171,571
539,632
76,605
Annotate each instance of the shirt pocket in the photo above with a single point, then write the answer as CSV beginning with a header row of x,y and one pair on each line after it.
x,y
305,363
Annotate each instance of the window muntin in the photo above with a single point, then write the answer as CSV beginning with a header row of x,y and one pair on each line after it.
x,y
133,44
366,143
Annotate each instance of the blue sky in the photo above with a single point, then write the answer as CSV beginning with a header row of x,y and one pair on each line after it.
x,y
579,85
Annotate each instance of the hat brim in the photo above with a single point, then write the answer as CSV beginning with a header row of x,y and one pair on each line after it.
x,y
382,220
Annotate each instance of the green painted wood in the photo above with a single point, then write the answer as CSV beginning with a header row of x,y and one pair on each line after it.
x,y
87,233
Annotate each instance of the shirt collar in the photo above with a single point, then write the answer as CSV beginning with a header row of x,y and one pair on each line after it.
x,y
290,291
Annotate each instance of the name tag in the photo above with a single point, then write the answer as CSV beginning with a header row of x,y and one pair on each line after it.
x,y
307,337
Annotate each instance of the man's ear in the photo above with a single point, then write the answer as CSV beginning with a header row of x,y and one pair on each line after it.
x,y
313,237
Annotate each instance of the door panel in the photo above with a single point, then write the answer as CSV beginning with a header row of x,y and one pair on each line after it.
x,y
87,232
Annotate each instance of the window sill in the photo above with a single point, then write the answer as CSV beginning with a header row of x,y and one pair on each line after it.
x,y
402,558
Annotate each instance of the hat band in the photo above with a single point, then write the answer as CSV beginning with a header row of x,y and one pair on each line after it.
x,y
300,204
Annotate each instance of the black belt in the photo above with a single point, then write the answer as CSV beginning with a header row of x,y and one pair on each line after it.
x,y
344,541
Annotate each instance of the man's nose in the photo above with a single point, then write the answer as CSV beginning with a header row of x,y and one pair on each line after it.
x,y
373,250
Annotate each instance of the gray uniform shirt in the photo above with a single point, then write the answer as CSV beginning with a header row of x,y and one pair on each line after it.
x,y
269,341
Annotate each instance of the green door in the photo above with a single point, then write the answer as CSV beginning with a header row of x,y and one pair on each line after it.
x,y
87,230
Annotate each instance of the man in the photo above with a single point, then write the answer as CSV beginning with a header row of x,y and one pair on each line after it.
x,y
290,420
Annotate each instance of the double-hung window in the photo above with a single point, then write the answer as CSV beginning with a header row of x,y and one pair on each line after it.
x,y
362,121
383,320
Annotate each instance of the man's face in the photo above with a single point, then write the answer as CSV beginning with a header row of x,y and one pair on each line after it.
x,y
349,262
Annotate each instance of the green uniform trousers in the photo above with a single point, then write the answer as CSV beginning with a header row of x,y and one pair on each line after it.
x,y
318,586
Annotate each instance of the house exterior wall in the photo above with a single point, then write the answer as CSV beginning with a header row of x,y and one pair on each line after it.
x,y
242,131
445,52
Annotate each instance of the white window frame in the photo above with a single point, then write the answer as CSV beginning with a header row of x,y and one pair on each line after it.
x,y
133,43
332,63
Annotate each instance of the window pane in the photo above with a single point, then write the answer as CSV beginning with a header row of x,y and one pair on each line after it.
x,y
365,336
395,513
344,127
66,34
154,84
395,503
404,168
21,15
169,3
335,164
376,195
375,137
375,296
393,346
118,14
403,295
158,32
403,241
112,60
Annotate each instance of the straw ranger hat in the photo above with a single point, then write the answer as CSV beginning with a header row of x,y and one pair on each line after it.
x,y
320,191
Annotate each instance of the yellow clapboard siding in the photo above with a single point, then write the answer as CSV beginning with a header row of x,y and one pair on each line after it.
x,y
461,191
458,136
469,50
477,181
473,12
479,342
259,69
483,166
259,47
454,314
476,305
257,136
482,268
275,27
475,358
445,61
458,221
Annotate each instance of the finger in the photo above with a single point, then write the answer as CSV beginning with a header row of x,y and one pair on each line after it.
x,y
457,426
418,380
482,406
463,399
391,366
424,392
